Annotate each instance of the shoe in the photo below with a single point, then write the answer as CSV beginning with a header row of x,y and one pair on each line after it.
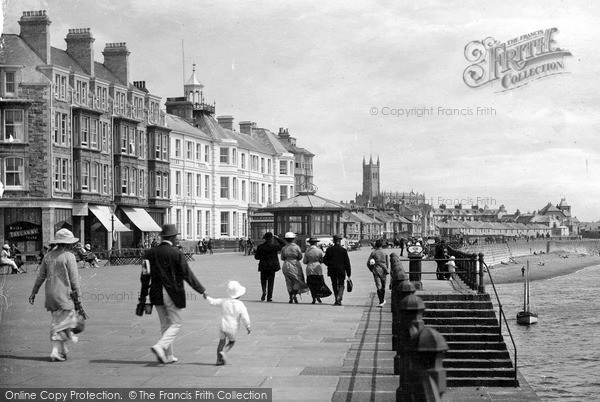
x,y
269,300
159,352
57,357
381,304
262,298
319,300
314,301
172,359
337,303
295,299
291,301
223,358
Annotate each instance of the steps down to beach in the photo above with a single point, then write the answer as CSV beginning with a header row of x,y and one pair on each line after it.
x,y
477,354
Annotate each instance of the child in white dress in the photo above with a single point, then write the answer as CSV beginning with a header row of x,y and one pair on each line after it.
x,y
233,311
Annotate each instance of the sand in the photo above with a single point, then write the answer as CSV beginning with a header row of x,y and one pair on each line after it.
x,y
544,266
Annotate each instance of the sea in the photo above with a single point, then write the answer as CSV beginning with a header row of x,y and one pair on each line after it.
x,y
560,355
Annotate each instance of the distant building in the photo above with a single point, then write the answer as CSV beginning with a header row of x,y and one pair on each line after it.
x,y
303,162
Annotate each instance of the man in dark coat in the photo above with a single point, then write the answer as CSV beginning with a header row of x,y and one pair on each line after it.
x,y
266,254
338,266
168,270
441,255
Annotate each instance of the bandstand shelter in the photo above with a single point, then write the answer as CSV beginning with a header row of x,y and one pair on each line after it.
x,y
307,215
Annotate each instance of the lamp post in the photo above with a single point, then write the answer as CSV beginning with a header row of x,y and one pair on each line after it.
x,y
113,208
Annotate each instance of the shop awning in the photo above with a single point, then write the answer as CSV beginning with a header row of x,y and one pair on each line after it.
x,y
104,216
141,219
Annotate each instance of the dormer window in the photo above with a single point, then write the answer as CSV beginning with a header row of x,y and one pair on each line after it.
x,y
9,83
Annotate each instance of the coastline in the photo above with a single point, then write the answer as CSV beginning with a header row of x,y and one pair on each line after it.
x,y
541,267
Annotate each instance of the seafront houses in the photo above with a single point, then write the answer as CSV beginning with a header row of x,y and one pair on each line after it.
x,y
79,141
220,176
75,140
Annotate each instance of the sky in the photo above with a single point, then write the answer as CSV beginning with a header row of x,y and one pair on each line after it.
x,y
337,75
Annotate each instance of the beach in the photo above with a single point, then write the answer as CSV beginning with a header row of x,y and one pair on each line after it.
x,y
542,266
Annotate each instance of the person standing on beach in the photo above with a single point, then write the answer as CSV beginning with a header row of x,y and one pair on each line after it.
x,y
338,266
168,271
268,263
59,270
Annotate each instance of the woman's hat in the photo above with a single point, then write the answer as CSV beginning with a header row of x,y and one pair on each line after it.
x,y
290,235
168,230
6,247
267,235
64,236
235,290
452,257
313,240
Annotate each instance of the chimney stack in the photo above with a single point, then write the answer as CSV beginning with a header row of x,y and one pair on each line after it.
x,y
116,59
80,46
246,127
140,85
226,122
35,31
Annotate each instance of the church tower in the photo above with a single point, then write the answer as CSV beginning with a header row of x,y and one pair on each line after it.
x,y
370,179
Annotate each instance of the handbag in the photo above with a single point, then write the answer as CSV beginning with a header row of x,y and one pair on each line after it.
x,y
80,314
349,285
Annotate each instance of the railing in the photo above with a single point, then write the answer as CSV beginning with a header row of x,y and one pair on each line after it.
x,y
467,265
502,315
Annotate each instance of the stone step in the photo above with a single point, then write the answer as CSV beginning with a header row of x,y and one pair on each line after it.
x,y
476,337
480,382
453,297
459,305
463,372
477,363
453,345
461,321
453,312
477,354
466,329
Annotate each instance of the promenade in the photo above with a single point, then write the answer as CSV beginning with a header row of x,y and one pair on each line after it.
x,y
302,352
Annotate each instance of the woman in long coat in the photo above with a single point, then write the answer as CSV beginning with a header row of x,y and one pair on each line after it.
x,y
291,255
314,272
59,271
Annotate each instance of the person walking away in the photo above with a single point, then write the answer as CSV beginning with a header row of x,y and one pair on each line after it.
x,y
401,245
291,255
233,312
268,263
378,264
209,245
440,259
168,271
314,272
338,266
241,244
249,246
59,271
6,260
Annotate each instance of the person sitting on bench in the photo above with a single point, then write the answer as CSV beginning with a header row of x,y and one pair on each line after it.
x,y
5,259
86,255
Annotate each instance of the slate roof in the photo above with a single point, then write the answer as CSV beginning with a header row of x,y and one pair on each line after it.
x,y
176,123
15,51
306,202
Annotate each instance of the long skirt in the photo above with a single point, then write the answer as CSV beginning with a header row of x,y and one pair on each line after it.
x,y
317,286
294,277
63,321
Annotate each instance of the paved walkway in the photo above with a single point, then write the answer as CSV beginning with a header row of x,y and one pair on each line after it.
x,y
303,352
